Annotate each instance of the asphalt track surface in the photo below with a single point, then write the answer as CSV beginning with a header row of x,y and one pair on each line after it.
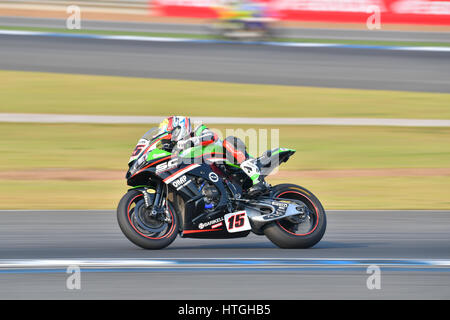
x,y
238,63
350,235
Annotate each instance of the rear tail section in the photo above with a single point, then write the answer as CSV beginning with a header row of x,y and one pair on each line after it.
x,y
271,159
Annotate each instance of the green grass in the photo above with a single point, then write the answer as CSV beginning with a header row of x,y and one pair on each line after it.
x,y
57,194
318,147
206,36
418,193
379,193
33,92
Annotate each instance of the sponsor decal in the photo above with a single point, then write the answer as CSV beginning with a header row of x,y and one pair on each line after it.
x,y
215,223
184,185
279,204
179,181
166,165
155,155
274,215
213,177
280,210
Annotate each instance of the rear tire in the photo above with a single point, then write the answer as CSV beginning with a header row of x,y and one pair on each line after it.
x,y
283,232
138,235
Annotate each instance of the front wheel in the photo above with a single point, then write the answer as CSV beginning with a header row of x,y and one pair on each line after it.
x,y
295,232
140,227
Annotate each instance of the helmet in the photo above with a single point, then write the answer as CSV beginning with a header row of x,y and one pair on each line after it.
x,y
178,126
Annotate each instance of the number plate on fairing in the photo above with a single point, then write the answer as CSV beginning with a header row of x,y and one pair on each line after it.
x,y
237,221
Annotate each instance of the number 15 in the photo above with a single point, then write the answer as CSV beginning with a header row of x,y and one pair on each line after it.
x,y
236,221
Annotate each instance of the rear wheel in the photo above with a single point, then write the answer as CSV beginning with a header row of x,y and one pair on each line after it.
x,y
143,229
295,231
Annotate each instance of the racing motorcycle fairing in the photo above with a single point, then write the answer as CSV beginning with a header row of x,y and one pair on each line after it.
x,y
206,189
205,192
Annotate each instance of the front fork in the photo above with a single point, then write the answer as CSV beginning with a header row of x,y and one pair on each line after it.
x,y
157,201
156,206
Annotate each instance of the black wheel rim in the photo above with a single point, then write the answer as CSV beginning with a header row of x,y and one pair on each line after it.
x,y
145,226
300,227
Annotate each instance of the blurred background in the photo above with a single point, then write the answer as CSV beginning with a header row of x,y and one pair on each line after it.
x,y
380,60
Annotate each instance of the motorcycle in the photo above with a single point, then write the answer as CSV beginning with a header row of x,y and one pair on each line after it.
x,y
251,28
197,193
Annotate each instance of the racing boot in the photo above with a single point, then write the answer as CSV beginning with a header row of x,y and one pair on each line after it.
x,y
252,170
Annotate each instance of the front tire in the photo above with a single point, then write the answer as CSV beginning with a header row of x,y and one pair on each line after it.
x,y
287,234
140,232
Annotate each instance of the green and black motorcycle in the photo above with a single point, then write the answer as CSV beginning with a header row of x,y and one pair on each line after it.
x,y
199,194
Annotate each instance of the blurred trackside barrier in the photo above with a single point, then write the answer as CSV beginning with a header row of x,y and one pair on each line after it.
x,y
418,12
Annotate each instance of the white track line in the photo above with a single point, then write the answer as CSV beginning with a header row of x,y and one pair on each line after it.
x,y
168,39
66,118
215,263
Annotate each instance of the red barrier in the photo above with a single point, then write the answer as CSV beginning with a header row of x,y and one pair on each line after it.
x,y
428,12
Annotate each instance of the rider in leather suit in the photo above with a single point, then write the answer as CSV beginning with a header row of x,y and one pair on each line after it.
x,y
235,149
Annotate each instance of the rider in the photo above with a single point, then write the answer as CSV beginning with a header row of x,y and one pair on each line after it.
x,y
234,10
184,137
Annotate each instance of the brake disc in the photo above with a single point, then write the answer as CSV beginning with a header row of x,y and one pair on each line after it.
x,y
146,221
